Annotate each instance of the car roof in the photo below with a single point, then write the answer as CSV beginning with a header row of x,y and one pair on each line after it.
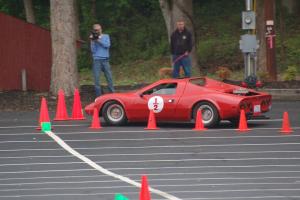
x,y
178,79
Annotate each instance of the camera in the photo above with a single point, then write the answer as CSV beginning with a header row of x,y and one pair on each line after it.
x,y
94,35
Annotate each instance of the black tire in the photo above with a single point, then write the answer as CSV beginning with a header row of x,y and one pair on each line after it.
x,y
114,113
210,114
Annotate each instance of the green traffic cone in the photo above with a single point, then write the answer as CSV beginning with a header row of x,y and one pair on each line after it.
x,y
46,126
120,197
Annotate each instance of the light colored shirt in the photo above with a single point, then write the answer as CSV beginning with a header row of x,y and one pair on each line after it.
x,y
100,47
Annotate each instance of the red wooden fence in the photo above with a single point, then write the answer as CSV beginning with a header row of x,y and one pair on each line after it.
x,y
24,46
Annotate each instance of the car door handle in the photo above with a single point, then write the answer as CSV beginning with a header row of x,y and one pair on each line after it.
x,y
171,101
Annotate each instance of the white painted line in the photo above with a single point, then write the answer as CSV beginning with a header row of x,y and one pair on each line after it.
x,y
111,187
209,173
175,131
169,146
159,168
53,177
151,161
176,191
264,120
47,171
241,190
103,170
59,182
247,197
151,139
15,150
213,173
155,179
167,130
188,138
153,154
63,195
202,167
26,141
31,164
35,126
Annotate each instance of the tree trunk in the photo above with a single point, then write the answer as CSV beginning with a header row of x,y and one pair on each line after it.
x,y
76,10
173,10
261,35
64,73
29,11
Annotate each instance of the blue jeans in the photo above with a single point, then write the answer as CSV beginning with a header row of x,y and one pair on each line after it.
x,y
185,62
98,66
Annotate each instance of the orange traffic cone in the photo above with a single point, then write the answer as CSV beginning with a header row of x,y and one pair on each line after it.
x,y
61,110
286,124
199,123
77,108
95,122
151,121
44,114
243,122
144,193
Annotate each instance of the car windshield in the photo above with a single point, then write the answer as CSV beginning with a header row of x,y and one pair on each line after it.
x,y
198,81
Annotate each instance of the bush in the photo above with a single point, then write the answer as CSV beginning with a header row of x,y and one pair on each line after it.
x,y
218,51
292,51
263,75
223,73
290,73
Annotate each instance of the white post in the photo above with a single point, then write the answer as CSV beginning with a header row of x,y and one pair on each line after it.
x,y
24,80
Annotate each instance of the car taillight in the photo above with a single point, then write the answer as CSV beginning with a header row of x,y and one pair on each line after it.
x,y
245,106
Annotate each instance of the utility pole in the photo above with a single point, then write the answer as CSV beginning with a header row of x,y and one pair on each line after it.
x,y
270,38
249,45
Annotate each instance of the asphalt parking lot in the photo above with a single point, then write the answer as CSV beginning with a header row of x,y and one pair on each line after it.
x,y
219,163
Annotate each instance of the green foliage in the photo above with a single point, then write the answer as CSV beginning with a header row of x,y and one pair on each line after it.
x,y
290,73
218,40
16,8
212,17
139,37
214,52
291,45
13,7
136,28
263,75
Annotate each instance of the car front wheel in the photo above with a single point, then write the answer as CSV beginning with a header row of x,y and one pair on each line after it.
x,y
114,113
210,115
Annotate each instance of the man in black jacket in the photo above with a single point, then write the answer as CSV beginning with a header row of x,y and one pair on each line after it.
x,y
181,47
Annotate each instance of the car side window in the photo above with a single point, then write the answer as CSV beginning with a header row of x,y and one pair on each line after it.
x,y
162,89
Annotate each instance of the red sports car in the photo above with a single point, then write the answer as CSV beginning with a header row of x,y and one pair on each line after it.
x,y
181,100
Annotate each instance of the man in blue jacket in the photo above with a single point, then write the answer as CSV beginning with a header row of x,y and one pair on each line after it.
x,y
100,44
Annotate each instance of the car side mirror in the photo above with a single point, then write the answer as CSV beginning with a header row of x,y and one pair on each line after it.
x,y
141,95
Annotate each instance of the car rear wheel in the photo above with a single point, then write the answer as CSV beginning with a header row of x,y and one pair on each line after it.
x,y
114,113
210,115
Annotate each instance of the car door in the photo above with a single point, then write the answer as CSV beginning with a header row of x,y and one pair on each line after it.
x,y
168,92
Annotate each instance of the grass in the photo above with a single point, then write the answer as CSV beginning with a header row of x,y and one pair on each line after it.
x,y
141,71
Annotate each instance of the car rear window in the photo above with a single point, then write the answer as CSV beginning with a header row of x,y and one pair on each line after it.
x,y
198,81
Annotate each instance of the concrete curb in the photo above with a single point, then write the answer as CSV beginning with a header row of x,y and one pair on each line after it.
x,y
283,94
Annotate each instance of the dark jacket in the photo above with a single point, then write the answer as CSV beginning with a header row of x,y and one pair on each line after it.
x,y
181,42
